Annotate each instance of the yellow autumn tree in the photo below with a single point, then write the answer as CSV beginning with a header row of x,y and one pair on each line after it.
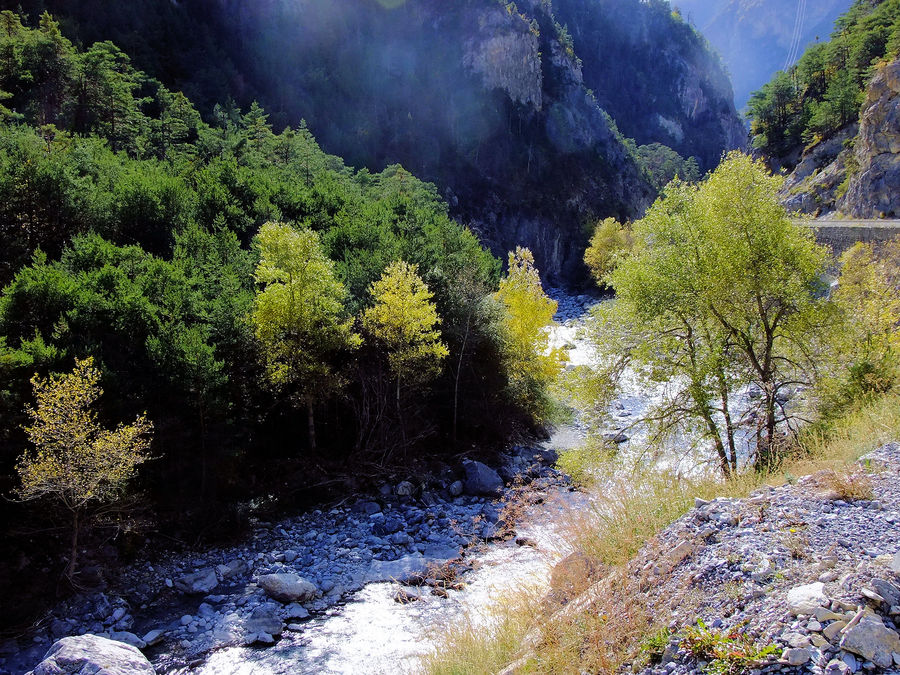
x,y
299,317
405,320
75,462
530,364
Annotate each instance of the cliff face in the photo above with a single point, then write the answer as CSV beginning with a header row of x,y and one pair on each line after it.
x,y
655,76
475,96
857,172
873,189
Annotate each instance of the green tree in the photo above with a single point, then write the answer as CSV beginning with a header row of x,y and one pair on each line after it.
x,y
610,242
299,316
529,362
863,344
720,289
76,462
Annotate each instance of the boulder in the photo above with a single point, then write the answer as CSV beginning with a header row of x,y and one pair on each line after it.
x,y
482,480
286,587
404,489
872,640
264,619
93,654
198,583
232,569
806,599
128,639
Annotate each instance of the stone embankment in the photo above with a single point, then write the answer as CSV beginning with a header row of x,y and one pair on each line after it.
x,y
810,570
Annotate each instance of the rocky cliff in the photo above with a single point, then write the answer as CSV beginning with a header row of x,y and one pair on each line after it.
x,y
855,173
655,76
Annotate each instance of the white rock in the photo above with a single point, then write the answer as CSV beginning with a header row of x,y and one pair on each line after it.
x,y
93,654
805,599
287,587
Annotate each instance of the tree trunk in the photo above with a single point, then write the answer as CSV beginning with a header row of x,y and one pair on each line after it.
x,y
311,423
73,556
462,351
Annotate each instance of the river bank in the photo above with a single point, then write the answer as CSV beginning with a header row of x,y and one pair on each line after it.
x,y
461,537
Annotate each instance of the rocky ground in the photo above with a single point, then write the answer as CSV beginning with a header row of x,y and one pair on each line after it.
x,y
179,607
802,578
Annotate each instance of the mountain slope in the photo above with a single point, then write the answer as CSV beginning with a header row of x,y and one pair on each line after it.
x,y
488,100
756,37
831,121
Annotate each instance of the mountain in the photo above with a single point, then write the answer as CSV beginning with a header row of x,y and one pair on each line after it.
x,y
514,111
831,122
756,38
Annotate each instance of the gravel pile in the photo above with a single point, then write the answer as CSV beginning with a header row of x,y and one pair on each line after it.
x,y
803,569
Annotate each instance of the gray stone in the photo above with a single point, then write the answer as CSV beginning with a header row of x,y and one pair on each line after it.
x,y
93,654
286,587
456,488
154,637
837,667
806,599
264,619
128,639
872,640
404,489
887,590
895,564
295,611
290,556
198,583
482,480
795,657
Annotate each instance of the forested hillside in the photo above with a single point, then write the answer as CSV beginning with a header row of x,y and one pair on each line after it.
x,y
505,107
271,311
830,118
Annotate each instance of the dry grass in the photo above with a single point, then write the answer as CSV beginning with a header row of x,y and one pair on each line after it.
x,y
633,506
476,647
608,633
846,484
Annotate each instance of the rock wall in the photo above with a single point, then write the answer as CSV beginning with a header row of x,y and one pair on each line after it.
x,y
855,173
874,186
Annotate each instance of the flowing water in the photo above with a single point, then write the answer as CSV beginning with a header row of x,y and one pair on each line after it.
x,y
371,633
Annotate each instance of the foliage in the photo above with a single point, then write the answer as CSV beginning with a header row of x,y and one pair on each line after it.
x,y
822,93
299,316
728,653
531,365
76,462
720,290
664,164
404,319
863,342
610,242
